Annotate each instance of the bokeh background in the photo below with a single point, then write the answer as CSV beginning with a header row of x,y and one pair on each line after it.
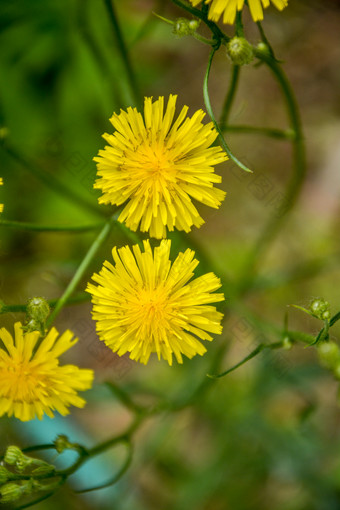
x,y
267,436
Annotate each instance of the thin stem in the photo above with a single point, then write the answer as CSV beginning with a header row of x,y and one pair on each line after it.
x,y
54,184
299,171
255,352
79,298
80,271
117,476
49,228
234,78
280,134
124,397
211,114
123,50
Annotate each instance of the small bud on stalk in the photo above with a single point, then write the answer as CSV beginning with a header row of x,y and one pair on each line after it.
x,y
240,51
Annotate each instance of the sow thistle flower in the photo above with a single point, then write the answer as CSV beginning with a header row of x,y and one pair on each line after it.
x,y
31,380
228,8
143,304
157,165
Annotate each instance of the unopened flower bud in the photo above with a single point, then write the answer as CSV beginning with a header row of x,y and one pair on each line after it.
x,y
15,457
38,309
240,51
62,443
4,475
12,455
329,354
183,26
320,308
11,492
263,48
287,343
32,325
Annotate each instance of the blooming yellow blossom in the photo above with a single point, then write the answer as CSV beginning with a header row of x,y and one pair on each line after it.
x,y
143,304
228,8
157,165
1,205
31,380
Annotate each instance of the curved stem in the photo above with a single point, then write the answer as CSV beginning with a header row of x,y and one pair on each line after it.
x,y
299,170
211,114
279,134
49,228
131,75
234,78
117,476
80,271
54,184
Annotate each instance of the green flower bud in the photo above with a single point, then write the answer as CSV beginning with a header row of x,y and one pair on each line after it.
x,y
4,475
12,491
320,309
336,371
263,48
32,325
38,309
240,51
287,343
13,454
329,354
62,443
183,26
15,457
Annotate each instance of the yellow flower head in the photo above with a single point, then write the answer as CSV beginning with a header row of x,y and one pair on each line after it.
x,y
1,205
157,165
31,380
228,8
143,304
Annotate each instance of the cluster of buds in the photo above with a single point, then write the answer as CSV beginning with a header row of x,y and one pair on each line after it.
x,y
21,475
184,26
37,311
320,309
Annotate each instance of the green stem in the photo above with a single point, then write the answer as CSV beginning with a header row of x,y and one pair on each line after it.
x,y
211,114
124,397
294,187
255,352
80,271
123,50
234,78
280,134
54,184
79,298
117,476
49,228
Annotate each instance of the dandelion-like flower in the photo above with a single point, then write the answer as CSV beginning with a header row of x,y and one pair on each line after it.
x,y
1,205
31,380
157,165
143,304
228,8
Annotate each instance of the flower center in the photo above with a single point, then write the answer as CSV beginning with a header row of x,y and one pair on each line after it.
x,y
21,381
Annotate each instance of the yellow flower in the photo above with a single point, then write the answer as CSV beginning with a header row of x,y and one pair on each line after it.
x,y
1,205
157,165
31,380
143,304
229,7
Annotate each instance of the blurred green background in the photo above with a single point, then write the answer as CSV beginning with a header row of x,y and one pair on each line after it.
x,y
267,436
